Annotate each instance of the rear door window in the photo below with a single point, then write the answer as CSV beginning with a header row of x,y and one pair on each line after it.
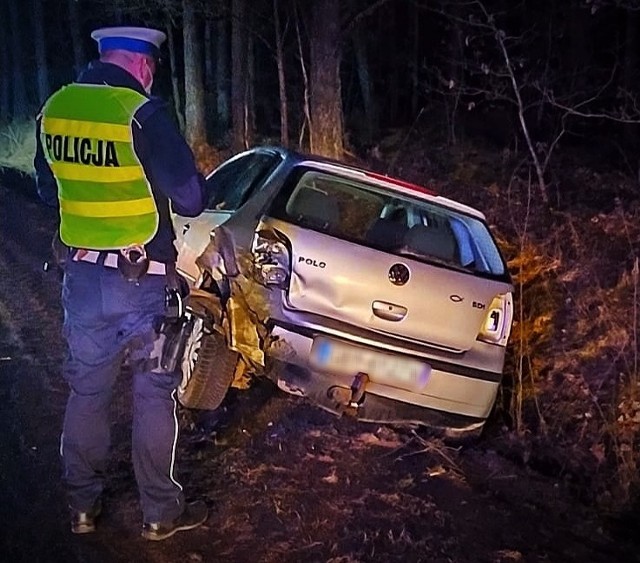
x,y
233,183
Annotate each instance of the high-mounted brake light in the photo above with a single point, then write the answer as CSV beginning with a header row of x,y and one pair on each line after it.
x,y
496,326
401,183
272,258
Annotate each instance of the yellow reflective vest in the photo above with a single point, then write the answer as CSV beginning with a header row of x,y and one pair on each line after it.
x,y
106,201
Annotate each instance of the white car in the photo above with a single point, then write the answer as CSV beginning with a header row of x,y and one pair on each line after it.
x,y
367,294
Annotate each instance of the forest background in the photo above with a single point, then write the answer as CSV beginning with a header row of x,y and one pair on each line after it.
x,y
527,110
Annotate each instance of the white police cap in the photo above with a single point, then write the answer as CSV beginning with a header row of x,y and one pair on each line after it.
x,y
135,39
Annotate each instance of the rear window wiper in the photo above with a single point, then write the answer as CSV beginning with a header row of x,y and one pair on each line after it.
x,y
434,260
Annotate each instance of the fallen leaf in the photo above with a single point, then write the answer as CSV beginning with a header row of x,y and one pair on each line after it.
x,y
331,479
435,471
598,452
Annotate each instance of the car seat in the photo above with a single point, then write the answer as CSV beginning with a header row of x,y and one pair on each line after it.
x,y
437,241
315,208
388,231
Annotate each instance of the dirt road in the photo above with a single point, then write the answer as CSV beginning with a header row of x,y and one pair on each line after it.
x,y
285,481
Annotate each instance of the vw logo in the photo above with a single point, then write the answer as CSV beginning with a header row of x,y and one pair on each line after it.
x,y
398,274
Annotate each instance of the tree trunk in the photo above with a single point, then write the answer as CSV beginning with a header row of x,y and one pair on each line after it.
x,y
306,122
455,73
222,75
366,86
416,62
5,71
282,90
209,70
393,79
326,102
249,97
578,53
77,40
20,103
42,68
195,131
239,50
175,81
210,76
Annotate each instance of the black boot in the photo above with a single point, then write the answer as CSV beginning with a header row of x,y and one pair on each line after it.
x,y
195,513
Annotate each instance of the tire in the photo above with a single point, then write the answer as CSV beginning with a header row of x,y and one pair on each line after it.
x,y
208,368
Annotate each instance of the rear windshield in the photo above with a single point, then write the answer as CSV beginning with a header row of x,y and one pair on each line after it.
x,y
375,217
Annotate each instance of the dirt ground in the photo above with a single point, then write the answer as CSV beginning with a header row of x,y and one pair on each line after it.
x,y
284,480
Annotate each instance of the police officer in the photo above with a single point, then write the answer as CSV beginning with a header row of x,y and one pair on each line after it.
x,y
111,159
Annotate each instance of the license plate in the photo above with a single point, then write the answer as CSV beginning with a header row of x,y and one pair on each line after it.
x,y
386,369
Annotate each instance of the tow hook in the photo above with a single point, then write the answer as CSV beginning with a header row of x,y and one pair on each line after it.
x,y
357,389
349,400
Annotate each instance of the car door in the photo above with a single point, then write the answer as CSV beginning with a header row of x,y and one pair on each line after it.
x,y
228,187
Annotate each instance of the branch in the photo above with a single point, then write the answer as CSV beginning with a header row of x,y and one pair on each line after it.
x,y
622,118
500,37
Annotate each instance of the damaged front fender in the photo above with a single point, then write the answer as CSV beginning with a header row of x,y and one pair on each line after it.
x,y
242,314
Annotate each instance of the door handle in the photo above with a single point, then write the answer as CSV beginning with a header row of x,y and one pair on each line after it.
x,y
389,311
185,228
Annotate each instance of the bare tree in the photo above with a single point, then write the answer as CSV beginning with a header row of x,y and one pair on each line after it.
x,y
195,130
492,75
577,56
5,70
455,74
306,122
327,31
175,80
506,71
326,92
77,39
241,132
20,103
501,39
222,78
209,67
42,66
366,84
282,90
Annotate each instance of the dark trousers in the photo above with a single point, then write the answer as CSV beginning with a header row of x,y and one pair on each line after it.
x,y
103,313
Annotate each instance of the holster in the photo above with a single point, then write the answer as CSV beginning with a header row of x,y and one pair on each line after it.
x,y
173,304
171,332
175,339
133,263
167,341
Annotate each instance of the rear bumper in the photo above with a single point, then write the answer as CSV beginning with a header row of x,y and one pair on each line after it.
x,y
320,389
455,396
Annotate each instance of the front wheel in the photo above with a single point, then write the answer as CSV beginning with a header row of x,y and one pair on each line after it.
x,y
208,368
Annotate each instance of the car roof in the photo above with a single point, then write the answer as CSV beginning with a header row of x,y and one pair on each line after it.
x,y
363,174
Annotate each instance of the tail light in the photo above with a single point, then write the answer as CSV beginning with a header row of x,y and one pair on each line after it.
x,y
496,326
272,257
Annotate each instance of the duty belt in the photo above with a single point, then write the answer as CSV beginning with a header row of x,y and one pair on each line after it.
x,y
110,260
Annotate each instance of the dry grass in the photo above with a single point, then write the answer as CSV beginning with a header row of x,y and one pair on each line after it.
x,y
574,347
18,145
18,148
571,393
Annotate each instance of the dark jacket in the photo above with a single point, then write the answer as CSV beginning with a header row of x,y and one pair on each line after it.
x,y
164,154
